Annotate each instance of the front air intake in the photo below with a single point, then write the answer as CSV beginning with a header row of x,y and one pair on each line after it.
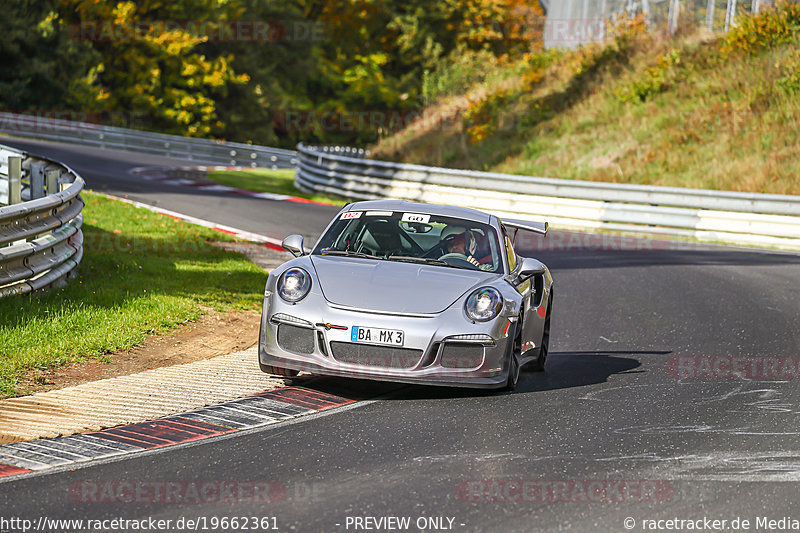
x,y
462,355
375,356
294,339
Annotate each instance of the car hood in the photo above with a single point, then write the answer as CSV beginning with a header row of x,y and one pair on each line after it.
x,y
394,287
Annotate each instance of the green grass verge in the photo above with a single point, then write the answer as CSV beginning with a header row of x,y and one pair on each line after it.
x,y
279,181
141,273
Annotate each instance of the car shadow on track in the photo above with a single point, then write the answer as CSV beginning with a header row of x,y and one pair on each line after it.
x,y
564,370
579,369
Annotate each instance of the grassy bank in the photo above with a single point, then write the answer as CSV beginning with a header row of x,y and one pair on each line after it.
x,y
279,181
141,273
705,111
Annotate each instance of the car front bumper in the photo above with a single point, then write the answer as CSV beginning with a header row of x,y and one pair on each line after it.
x,y
444,349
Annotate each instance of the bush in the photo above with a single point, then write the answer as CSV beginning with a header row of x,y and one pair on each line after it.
x,y
768,29
789,83
464,69
481,116
653,81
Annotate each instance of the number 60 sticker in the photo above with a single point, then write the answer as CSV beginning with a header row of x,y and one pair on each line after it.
x,y
415,217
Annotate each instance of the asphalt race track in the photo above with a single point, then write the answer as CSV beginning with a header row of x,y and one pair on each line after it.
x,y
640,415
109,172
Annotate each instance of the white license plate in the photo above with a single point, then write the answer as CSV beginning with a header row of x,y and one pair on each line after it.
x,y
393,337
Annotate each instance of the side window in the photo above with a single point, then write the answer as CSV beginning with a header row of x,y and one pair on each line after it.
x,y
510,254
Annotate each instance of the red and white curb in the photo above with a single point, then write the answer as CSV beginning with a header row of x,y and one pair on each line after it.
x,y
238,415
269,242
167,176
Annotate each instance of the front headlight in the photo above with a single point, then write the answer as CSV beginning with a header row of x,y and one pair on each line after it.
x,y
294,284
484,304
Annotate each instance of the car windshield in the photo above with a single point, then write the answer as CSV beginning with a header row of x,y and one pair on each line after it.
x,y
415,238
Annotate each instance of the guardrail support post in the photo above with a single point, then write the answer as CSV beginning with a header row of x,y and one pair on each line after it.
x,y
730,15
14,180
37,181
51,181
710,15
674,14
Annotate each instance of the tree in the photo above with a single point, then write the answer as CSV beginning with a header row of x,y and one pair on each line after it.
x,y
281,69
232,68
151,59
40,63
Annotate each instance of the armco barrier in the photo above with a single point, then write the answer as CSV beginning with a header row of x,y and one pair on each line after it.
x,y
731,217
41,241
740,218
202,151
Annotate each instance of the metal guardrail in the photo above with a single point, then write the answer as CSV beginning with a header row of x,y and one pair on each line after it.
x,y
41,242
707,215
741,218
203,151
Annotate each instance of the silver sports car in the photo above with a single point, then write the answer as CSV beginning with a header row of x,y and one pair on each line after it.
x,y
409,292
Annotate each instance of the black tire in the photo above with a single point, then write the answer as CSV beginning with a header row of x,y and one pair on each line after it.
x,y
538,364
513,356
277,371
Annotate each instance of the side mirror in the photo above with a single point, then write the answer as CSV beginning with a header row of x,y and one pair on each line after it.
x,y
294,245
531,267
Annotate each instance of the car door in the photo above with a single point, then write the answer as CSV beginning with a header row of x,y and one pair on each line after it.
x,y
531,327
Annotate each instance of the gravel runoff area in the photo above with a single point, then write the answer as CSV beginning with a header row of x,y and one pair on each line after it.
x,y
133,398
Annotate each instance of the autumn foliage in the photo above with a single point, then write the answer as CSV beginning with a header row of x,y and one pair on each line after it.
x,y
228,68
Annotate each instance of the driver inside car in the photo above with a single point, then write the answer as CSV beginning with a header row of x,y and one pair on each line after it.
x,y
458,240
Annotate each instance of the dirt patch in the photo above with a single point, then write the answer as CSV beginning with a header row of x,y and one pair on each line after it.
x,y
212,335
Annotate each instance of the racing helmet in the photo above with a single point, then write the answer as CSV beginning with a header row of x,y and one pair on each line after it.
x,y
453,232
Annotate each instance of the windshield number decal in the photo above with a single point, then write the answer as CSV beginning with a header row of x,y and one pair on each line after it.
x,y
415,217
350,215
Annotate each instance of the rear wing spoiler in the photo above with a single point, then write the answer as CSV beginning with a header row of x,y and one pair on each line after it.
x,y
526,225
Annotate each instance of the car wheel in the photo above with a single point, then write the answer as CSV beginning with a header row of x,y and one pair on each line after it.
x,y
277,371
539,363
513,356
